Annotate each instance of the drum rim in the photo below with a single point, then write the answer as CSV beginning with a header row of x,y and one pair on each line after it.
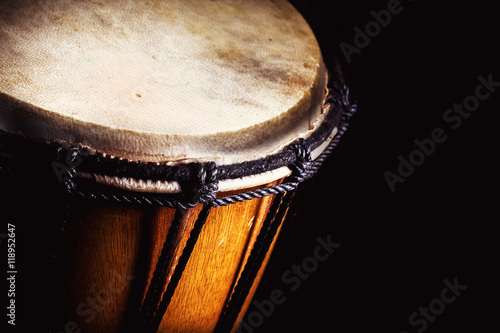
x,y
97,169
234,144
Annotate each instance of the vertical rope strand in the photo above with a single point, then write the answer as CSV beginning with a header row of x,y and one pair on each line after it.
x,y
265,238
159,276
205,188
183,260
204,193
254,263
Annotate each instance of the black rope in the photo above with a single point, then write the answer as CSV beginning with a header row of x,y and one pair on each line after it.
x,y
169,201
264,240
204,192
296,157
97,163
71,156
179,269
253,264
303,169
159,278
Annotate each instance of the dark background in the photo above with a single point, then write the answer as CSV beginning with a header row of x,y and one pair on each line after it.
x,y
397,248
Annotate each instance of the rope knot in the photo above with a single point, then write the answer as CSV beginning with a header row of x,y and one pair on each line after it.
x,y
65,166
300,169
206,183
342,96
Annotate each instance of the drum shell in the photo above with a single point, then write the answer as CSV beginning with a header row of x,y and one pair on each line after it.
x,y
110,251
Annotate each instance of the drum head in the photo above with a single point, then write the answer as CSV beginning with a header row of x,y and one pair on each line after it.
x,y
161,81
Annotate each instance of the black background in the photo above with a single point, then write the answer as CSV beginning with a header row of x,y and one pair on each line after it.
x,y
398,247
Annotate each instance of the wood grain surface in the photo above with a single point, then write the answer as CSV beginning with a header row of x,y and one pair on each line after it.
x,y
112,251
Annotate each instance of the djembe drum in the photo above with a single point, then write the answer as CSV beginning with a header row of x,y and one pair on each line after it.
x,y
177,133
